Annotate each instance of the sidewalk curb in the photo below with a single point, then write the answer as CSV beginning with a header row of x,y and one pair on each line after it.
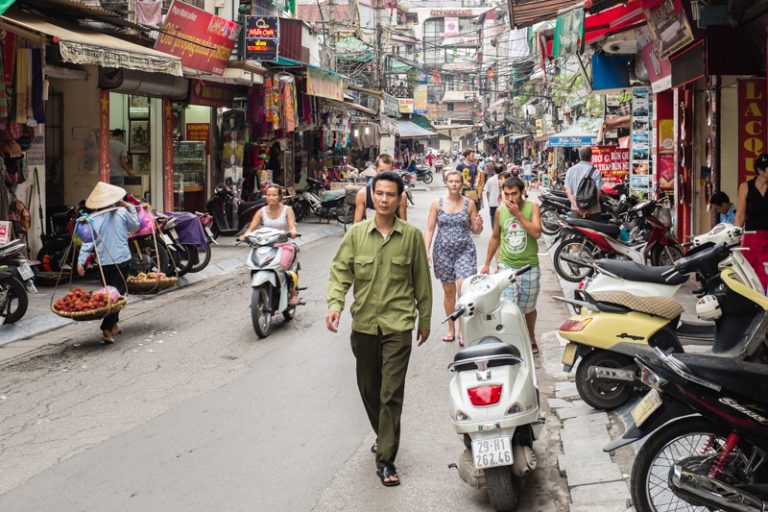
x,y
43,323
595,482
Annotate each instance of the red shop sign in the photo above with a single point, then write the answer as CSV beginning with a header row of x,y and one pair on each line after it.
x,y
210,94
202,40
752,129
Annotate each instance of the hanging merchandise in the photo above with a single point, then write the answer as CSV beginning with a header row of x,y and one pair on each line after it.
x,y
288,103
20,86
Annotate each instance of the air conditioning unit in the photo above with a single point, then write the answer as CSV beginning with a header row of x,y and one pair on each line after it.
x,y
623,43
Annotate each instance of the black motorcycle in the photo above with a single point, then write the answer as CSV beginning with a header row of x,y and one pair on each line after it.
x,y
16,277
553,206
325,204
424,173
705,424
230,213
57,239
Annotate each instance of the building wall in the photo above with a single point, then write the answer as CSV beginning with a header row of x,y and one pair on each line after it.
x,y
729,137
81,135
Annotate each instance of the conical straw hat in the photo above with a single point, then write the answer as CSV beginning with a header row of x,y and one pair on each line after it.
x,y
104,195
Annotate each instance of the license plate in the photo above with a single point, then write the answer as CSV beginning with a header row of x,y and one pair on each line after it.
x,y
492,452
208,232
25,272
166,239
569,354
174,234
646,407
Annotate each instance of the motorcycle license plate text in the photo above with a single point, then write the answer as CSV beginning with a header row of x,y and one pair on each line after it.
x,y
492,452
25,271
569,354
646,407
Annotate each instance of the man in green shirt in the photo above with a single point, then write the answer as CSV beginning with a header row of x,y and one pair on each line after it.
x,y
384,258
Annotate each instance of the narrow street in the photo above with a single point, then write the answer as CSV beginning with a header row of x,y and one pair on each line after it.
x,y
190,411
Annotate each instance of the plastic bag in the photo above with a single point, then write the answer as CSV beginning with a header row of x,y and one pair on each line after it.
x,y
146,221
110,291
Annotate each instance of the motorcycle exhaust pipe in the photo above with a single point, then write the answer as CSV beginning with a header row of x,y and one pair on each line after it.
x,y
525,460
713,493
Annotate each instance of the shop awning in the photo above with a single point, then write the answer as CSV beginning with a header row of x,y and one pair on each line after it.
x,y
236,73
524,13
574,137
514,137
612,20
79,45
410,130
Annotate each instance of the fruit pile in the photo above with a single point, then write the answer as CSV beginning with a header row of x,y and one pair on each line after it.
x,y
151,276
78,300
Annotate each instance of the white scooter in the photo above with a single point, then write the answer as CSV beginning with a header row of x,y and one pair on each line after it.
x,y
273,262
493,392
645,281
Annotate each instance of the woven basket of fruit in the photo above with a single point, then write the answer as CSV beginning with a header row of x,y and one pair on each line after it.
x,y
80,305
151,282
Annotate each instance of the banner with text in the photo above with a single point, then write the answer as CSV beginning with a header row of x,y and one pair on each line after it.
x,y
752,129
262,34
200,39
612,162
325,85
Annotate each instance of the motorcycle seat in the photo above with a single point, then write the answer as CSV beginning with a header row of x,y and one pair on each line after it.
x,y
739,377
664,307
559,193
632,271
557,199
485,349
611,230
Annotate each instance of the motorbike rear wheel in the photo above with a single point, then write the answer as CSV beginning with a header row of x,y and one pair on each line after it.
x,y
345,214
501,488
550,224
665,255
203,257
577,249
428,177
649,483
16,300
602,394
261,311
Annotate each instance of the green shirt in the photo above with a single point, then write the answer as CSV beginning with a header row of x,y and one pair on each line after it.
x,y
518,247
390,275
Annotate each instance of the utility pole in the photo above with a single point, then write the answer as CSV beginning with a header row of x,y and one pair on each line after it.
x,y
378,74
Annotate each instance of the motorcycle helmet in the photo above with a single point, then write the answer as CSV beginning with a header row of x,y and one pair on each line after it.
x,y
708,308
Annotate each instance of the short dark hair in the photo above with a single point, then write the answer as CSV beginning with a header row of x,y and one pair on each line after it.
x,y
389,176
468,152
762,162
585,153
514,181
384,158
719,198
275,186
118,132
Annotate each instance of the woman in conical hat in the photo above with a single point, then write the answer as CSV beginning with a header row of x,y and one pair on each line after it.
x,y
112,222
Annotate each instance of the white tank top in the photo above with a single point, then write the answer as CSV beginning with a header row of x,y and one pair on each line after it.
x,y
281,222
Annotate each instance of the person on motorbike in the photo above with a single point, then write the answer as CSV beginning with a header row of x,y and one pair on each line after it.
x,y
275,215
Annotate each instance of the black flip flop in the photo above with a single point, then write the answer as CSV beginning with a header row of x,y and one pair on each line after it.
x,y
374,448
388,472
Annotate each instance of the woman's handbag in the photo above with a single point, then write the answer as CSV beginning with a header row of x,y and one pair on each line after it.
x,y
471,195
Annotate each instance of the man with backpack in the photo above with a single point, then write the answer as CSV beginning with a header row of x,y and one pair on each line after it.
x,y
582,184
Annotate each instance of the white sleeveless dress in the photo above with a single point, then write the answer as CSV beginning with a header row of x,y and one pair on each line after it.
x,y
281,222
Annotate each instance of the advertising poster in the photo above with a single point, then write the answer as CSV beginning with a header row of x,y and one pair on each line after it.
x,y
420,99
640,143
202,40
612,162
752,130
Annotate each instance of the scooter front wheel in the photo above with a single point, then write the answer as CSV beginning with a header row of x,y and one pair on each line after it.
x,y
501,488
599,393
550,221
428,177
573,257
261,311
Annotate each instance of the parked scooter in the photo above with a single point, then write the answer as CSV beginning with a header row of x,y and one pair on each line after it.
x,y
230,214
273,263
705,428
325,204
494,397
16,278
590,241
553,208
424,173
614,327
57,239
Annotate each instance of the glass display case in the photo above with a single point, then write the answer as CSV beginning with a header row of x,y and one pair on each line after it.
x,y
189,170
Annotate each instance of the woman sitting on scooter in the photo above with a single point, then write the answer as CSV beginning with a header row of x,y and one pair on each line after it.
x,y
275,215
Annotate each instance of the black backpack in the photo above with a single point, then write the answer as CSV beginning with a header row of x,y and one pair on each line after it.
x,y
586,192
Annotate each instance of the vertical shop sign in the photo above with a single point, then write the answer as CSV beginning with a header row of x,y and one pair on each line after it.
x,y
752,129
104,135
167,154
262,34
420,99
406,105
640,152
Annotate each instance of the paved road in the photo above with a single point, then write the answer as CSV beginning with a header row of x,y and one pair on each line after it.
x,y
189,411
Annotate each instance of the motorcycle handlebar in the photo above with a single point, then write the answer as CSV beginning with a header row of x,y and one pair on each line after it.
x,y
523,270
456,314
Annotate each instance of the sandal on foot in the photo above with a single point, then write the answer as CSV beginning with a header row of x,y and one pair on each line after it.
x,y
106,336
116,330
388,476
461,342
535,349
293,301
374,448
448,338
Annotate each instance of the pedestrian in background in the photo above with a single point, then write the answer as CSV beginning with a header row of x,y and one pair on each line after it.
x,y
383,259
752,215
493,193
119,167
113,220
364,207
517,227
454,256
725,209
573,177
473,178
